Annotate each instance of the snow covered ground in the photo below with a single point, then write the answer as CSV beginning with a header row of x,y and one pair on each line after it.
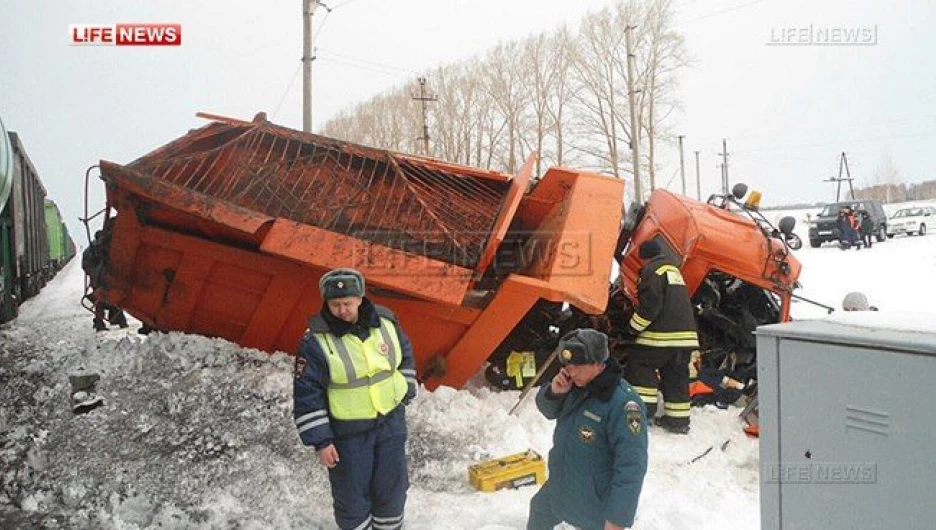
x,y
197,432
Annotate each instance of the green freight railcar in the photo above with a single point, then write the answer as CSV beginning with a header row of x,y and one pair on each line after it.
x,y
24,243
6,227
61,247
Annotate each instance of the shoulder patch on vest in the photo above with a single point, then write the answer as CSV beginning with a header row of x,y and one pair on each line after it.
x,y
634,421
301,364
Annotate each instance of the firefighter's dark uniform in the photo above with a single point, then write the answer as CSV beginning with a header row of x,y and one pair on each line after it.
x,y
351,383
599,456
664,327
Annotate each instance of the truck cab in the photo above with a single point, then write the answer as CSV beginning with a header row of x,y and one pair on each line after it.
x,y
737,266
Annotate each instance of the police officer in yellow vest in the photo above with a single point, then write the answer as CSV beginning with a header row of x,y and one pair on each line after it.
x,y
354,370
664,328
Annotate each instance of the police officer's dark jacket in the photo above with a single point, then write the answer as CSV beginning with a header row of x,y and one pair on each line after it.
x,y
317,426
664,313
599,455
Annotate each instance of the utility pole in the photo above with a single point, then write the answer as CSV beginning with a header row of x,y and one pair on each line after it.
x,y
851,189
423,98
843,168
635,125
698,179
308,9
682,165
724,167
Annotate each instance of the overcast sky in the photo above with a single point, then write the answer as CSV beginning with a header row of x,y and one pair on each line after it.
x,y
787,111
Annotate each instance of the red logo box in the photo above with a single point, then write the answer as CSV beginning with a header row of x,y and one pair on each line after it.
x,y
124,34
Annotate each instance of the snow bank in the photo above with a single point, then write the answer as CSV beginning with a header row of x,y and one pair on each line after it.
x,y
198,433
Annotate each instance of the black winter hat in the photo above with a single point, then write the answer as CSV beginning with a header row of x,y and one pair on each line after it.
x,y
583,346
649,249
339,283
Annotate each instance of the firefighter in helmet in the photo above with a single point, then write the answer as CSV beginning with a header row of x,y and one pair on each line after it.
x,y
664,329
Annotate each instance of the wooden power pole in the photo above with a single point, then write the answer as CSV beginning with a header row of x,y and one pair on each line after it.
x,y
308,9
423,98
724,167
698,179
682,165
635,125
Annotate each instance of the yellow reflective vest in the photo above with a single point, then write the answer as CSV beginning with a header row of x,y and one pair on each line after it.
x,y
365,379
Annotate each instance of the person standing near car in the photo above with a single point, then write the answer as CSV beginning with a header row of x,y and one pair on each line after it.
x,y
664,329
866,227
354,373
847,228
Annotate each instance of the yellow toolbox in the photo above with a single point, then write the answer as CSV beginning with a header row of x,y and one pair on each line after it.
x,y
508,472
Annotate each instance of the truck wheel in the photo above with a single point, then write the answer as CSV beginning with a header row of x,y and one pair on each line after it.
x,y
815,243
881,234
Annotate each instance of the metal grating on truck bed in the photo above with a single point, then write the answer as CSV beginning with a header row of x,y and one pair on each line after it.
x,y
418,205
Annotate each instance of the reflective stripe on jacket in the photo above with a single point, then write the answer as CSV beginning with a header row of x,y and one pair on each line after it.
x,y
312,411
365,377
664,316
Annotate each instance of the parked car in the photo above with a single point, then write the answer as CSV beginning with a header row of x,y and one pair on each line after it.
x,y
824,227
911,221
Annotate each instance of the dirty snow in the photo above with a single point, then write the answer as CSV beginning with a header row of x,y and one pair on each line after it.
x,y
197,432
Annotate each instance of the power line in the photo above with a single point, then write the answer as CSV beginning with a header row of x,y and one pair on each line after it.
x,y
838,142
378,70
288,88
384,66
346,2
716,13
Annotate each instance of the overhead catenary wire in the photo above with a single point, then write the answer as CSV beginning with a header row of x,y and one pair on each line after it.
x,y
289,86
329,53
716,13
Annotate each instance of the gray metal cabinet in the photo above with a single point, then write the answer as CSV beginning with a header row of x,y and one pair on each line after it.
x,y
847,423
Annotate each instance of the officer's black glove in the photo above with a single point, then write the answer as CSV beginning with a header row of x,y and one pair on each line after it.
x,y
410,393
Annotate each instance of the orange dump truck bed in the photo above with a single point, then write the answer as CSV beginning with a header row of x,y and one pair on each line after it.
x,y
226,231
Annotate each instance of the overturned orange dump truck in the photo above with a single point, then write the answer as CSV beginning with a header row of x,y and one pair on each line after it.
x,y
226,231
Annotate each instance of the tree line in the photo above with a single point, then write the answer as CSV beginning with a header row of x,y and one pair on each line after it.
x,y
563,94
901,192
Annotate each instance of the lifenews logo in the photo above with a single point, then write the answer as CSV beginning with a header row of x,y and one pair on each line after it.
x,y
813,35
123,34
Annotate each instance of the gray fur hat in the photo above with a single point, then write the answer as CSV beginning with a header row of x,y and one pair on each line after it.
x,y
856,301
583,346
339,283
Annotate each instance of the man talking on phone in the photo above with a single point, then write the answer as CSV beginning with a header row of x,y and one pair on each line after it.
x,y
599,455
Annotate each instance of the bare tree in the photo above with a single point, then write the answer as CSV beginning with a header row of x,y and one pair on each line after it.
x,y
663,54
561,44
888,180
547,61
506,86
562,94
597,85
